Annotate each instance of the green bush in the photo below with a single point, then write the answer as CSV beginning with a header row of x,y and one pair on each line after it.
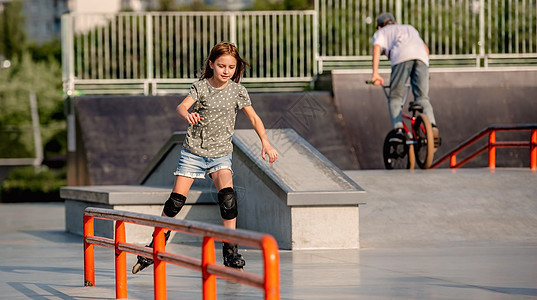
x,y
16,84
28,184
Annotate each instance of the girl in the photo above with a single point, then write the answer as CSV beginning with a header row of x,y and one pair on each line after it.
x,y
207,148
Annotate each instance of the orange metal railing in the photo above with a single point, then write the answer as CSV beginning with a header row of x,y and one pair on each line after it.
x,y
492,145
269,282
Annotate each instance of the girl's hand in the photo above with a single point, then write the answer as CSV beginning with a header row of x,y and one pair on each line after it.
x,y
193,118
271,152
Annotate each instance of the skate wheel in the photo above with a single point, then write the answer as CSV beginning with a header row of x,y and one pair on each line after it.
x,y
137,268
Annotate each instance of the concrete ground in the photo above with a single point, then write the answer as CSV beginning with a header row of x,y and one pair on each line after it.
x,y
39,260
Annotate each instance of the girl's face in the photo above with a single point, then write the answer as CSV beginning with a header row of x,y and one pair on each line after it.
x,y
223,68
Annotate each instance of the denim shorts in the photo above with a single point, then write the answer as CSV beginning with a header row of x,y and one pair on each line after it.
x,y
195,166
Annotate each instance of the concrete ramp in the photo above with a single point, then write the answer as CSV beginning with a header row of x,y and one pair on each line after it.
x,y
118,136
447,208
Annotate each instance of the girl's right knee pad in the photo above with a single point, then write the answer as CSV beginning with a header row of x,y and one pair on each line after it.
x,y
228,203
174,204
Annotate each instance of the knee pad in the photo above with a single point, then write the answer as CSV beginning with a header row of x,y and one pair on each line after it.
x,y
228,203
174,204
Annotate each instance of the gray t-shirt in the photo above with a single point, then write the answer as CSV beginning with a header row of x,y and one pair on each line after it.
x,y
401,43
211,137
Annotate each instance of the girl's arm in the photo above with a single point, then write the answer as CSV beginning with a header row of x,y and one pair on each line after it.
x,y
259,128
182,111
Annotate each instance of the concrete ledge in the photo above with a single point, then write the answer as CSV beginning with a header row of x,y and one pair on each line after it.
x,y
130,195
143,199
301,175
303,199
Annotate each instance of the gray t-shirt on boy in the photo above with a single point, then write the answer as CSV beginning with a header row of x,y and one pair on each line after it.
x,y
401,43
211,137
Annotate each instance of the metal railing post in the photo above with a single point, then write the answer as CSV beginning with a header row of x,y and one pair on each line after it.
x,y
272,272
159,245
492,145
533,150
208,258
89,253
452,161
207,265
121,262
492,149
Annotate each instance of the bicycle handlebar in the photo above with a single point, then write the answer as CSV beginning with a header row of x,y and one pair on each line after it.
x,y
373,82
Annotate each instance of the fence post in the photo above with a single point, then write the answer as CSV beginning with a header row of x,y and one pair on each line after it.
x,y
233,28
492,149
399,11
149,49
68,55
121,262
533,150
89,253
159,275
482,25
208,258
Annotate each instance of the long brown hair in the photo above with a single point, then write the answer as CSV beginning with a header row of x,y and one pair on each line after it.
x,y
225,48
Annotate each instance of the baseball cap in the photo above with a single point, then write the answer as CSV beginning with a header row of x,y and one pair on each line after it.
x,y
383,18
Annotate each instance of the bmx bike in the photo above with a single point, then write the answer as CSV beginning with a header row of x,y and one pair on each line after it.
x,y
418,143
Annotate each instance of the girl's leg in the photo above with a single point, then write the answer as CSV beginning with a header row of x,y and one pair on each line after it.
x,y
224,179
181,186
171,208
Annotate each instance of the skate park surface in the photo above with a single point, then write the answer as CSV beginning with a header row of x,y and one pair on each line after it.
x,y
435,234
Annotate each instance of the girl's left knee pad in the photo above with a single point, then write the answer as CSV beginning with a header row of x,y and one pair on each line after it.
x,y
228,203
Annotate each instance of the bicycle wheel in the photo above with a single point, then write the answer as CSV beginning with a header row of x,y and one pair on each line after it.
x,y
411,157
424,146
396,154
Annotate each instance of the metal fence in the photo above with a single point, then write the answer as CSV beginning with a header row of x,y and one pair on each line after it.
x,y
459,33
159,53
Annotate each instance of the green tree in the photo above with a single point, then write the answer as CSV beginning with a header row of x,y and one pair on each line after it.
x,y
12,36
172,5
167,5
197,5
282,4
16,84
47,51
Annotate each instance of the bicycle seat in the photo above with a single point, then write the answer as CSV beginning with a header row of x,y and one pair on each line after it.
x,y
413,106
